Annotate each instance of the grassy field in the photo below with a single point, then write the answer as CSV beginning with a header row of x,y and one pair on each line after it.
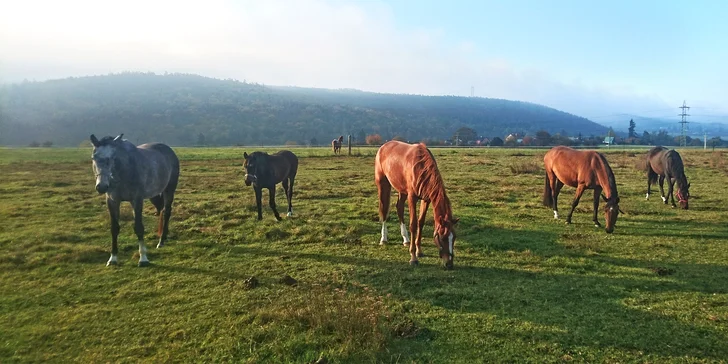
x,y
525,288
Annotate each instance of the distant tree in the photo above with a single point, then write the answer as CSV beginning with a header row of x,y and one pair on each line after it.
x,y
646,138
374,139
662,138
632,125
527,140
696,142
291,142
496,142
465,135
611,133
47,144
34,144
361,137
715,142
559,139
543,137
399,138
313,142
201,139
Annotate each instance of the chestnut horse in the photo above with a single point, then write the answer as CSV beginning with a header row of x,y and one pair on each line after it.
x,y
336,144
583,170
666,163
412,171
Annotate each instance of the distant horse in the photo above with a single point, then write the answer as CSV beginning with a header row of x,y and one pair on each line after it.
x,y
583,170
412,171
336,144
265,171
129,173
665,163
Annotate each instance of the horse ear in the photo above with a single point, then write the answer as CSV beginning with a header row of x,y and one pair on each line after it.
x,y
94,141
118,137
245,155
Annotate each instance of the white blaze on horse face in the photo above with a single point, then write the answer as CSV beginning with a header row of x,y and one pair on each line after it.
x,y
405,233
450,240
556,214
384,234
102,170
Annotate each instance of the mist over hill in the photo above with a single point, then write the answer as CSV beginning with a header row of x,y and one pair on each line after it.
x,y
184,109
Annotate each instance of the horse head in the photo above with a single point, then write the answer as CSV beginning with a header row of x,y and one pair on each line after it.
x,y
445,240
611,211
683,193
104,159
256,167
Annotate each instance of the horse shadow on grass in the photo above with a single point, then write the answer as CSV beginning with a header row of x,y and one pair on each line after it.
x,y
585,301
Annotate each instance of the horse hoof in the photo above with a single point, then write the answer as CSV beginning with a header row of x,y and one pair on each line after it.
x,y
568,222
278,218
289,214
160,245
420,255
144,263
382,242
110,263
406,243
414,262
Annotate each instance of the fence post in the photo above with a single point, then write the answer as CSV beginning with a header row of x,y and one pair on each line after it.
x,y
348,137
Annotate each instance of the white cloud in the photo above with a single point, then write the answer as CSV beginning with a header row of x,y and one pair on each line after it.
x,y
304,43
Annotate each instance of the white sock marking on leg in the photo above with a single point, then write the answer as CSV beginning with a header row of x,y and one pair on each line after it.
x,y
556,214
384,234
450,239
112,260
647,197
664,199
405,234
142,252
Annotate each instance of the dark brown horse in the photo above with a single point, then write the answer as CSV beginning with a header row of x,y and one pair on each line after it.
x,y
412,171
336,144
583,170
264,170
665,163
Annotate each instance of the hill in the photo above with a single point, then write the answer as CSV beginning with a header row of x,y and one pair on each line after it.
x,y
183,109
712,125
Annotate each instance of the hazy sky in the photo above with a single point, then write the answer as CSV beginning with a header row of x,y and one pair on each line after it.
x,y
587,57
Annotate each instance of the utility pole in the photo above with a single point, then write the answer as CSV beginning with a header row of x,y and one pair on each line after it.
x,y
705,141
683,124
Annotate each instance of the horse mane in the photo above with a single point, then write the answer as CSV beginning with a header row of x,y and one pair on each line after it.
x,y
429,185
611,182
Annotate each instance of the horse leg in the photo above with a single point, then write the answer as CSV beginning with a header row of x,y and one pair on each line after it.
x,y
258,203
579,191
113,207
556,188
661,181
158,202
420,225
597,194
401,199
650,177
272,202
385,191
164,218
412,204
670,186
288,195
137,204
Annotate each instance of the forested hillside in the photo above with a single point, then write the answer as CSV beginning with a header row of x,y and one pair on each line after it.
x,y
185,109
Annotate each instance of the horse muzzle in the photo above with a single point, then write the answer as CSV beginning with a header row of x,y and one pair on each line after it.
x,y
250,179
102,188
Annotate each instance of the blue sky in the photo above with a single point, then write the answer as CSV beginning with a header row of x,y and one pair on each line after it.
x,y
590,58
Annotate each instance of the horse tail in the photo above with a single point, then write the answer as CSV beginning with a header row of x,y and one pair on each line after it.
x,y
548,200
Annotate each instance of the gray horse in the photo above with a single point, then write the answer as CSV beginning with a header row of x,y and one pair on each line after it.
x,y
125,172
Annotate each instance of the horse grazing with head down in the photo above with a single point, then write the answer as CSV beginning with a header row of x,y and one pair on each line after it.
x,y
583,170
264,170
412,171
125,172
336,144
665,163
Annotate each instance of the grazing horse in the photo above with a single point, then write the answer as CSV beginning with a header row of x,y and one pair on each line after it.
x,y
583,170
412,171
125,172
264,170
336,144
665,163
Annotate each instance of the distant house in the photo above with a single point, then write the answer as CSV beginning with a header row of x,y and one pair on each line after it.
x,y
608,140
